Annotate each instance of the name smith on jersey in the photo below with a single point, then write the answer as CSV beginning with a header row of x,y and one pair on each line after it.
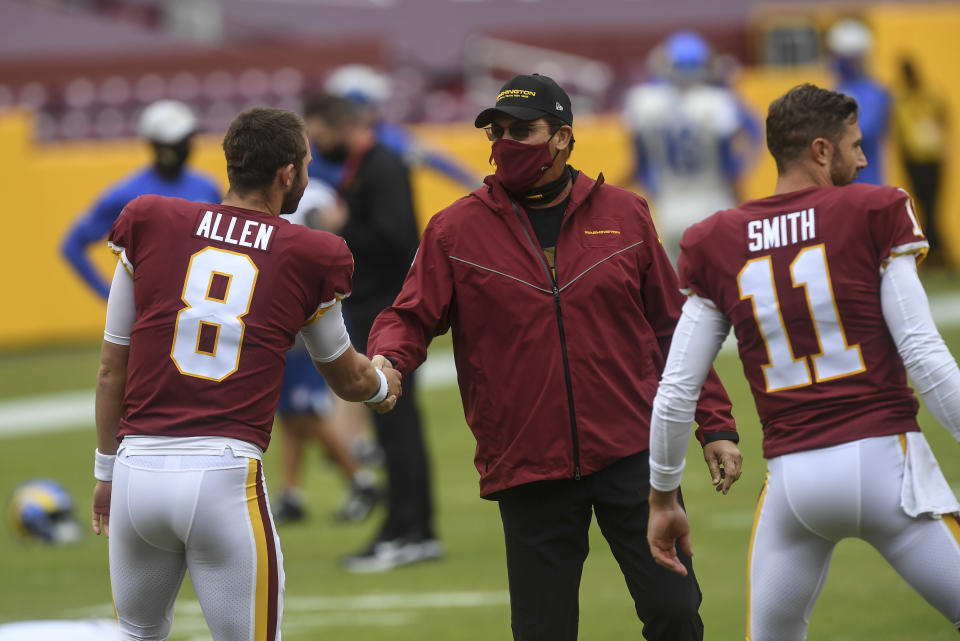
x,y
781,230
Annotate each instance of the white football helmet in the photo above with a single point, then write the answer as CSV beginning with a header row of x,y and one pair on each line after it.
x,y
42,510
360,83
167,122
849,39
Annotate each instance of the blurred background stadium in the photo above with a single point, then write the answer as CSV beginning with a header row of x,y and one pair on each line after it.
x,y
75,76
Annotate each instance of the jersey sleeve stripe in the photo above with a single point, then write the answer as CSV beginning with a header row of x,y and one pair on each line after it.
x,y
122,255
325,307
919,248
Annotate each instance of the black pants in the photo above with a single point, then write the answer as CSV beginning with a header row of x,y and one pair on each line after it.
x,y
925,179
400,434
546,528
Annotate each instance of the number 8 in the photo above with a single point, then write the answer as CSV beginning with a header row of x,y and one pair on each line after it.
x,y
218,290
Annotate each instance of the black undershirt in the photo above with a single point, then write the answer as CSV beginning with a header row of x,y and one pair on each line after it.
x,y
546,225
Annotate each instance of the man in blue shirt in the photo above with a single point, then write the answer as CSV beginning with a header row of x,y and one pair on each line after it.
x,y
849,44
169,126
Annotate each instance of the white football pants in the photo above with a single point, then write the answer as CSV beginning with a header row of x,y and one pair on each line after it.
x,y
813,499
203,513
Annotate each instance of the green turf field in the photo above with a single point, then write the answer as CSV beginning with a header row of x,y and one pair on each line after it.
x,y
462,597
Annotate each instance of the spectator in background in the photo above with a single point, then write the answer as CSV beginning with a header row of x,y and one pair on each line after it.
x,y
369,90
692,137
382,232
849,43
307,407
921,131
169,127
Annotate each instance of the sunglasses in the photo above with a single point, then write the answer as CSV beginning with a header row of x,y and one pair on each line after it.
x,y
518,130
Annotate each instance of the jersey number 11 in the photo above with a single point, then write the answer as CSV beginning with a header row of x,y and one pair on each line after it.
x,y
784,370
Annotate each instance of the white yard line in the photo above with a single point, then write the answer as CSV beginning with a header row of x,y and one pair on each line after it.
x,y
310,612
68,411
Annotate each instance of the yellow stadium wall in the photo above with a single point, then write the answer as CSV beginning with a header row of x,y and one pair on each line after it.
x,y
46,186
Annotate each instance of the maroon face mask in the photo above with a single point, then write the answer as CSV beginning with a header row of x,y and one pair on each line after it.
x,y
519,165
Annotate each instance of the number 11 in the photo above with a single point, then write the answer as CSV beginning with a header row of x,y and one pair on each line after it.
x,y
784,370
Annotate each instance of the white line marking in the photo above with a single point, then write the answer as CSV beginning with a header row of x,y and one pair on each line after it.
x,y
68,411
310,612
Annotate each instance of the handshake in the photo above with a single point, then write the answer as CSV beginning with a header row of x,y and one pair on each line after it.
x,y
394,390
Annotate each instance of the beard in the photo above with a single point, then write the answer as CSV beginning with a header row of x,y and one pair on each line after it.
x,y
842,174
291,199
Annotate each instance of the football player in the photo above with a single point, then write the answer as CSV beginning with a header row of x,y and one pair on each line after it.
x,y
169,127
205,302
691,137
819,282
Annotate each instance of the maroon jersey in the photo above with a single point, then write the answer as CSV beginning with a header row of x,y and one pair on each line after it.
x,y
798,275
221,293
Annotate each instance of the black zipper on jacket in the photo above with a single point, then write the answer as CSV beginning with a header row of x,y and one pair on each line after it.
x,y
563,342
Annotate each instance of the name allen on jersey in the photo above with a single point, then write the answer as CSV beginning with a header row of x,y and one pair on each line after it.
x,y
221,228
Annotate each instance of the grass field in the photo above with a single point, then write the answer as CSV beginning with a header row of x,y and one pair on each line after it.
x,y
464,596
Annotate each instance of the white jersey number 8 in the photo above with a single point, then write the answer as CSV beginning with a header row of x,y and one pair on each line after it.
x,y
209,331
784,370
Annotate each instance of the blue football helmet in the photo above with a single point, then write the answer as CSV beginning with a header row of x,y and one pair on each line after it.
x,y
687,51
42,510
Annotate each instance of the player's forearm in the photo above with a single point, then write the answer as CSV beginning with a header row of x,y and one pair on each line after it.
x,y
670,427
351,376
691,354
929,363
111,383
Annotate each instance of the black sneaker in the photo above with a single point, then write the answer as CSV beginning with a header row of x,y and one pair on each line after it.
x,y
360,501
289,510
386,555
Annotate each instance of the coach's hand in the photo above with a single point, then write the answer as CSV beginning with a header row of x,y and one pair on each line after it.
x,y
725,462
668,525
101,507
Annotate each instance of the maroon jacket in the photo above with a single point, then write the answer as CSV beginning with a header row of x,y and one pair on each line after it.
x,y
557,379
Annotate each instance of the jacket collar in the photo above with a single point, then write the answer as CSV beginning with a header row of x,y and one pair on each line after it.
x,y
495,196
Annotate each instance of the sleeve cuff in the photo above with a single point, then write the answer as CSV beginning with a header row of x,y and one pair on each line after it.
x,y
710,437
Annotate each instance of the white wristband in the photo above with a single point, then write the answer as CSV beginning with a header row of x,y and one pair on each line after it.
x,y
103,466
381,394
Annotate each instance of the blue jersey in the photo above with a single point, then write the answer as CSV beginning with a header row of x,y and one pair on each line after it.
x,y
874,116
683,138
96,224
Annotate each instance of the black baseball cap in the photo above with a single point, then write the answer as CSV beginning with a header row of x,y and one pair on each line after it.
x,y
528,98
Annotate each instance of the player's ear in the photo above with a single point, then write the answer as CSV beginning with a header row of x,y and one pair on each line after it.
x,y
287,175
821,151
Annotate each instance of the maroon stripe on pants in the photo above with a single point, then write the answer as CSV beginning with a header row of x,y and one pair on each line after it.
x,y
273,585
